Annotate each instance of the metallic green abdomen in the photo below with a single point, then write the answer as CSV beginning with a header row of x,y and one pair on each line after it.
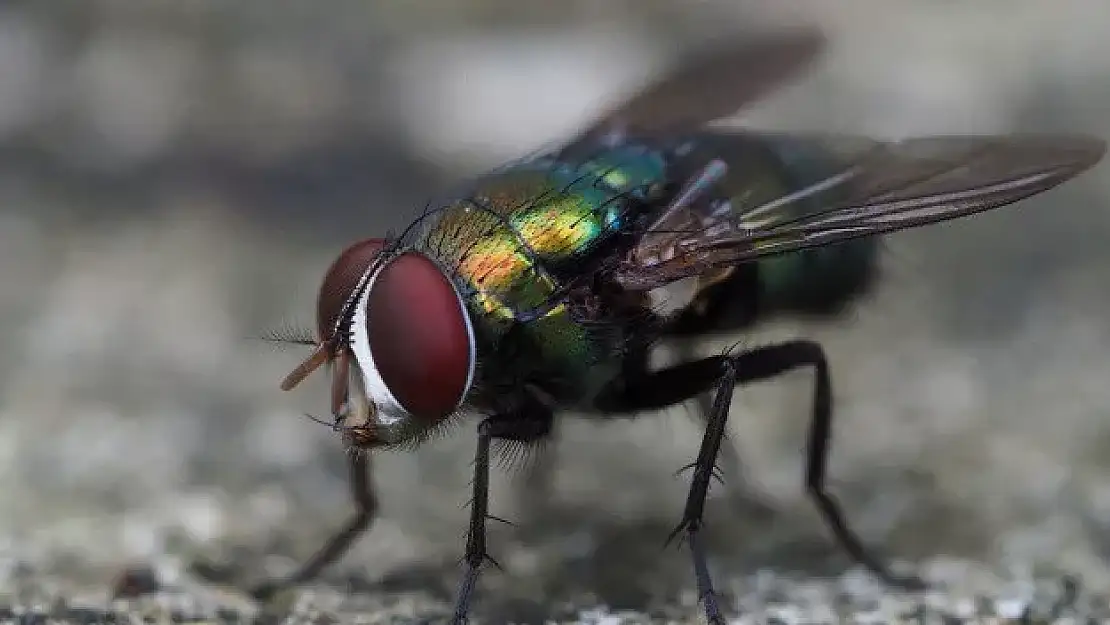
x,y
766,168
822,278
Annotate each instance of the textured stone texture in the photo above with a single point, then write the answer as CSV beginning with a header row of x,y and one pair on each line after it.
x,y
174,179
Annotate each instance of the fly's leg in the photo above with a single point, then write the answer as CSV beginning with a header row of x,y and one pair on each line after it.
x,y
729,459
704,469
687,380
366,509
527,426
775,360
804,353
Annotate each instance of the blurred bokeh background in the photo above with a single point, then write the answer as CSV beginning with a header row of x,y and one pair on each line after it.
x,y
176,176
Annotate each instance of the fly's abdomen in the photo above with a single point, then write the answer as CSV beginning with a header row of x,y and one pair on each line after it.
x,y
821,279
763,170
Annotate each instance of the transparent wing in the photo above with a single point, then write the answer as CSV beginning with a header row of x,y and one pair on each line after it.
x,y
864,188
709,87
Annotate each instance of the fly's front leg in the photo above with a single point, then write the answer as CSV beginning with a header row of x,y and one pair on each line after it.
x,y
366,509
525,426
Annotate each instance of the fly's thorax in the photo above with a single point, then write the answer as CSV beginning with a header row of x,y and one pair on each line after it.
x,y
523,230
494,269
561,353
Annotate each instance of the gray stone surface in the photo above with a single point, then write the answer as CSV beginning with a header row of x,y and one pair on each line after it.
x,y
174,178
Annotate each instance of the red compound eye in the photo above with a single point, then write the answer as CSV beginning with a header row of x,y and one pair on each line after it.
x,y
340,281
419,337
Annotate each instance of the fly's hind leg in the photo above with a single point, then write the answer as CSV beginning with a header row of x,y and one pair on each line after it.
x,y
366,509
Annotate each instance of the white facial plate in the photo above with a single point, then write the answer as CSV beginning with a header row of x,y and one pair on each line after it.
x,y
389,410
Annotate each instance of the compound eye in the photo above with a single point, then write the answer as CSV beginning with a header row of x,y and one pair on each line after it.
x,y
420,337
340,282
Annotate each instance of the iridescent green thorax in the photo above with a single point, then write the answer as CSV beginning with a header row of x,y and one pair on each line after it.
x,y
508,243
508,238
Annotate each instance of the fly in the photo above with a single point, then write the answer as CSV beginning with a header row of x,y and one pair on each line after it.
x,y
534,290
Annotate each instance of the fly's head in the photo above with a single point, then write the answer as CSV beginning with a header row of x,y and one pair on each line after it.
x,y
399,341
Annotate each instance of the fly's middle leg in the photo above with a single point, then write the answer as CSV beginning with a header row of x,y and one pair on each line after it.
x,y
742,498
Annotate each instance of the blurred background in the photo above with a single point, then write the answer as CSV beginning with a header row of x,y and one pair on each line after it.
x,y
175,178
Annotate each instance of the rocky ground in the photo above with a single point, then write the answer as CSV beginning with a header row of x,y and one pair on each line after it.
x,y
173,182
963,594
